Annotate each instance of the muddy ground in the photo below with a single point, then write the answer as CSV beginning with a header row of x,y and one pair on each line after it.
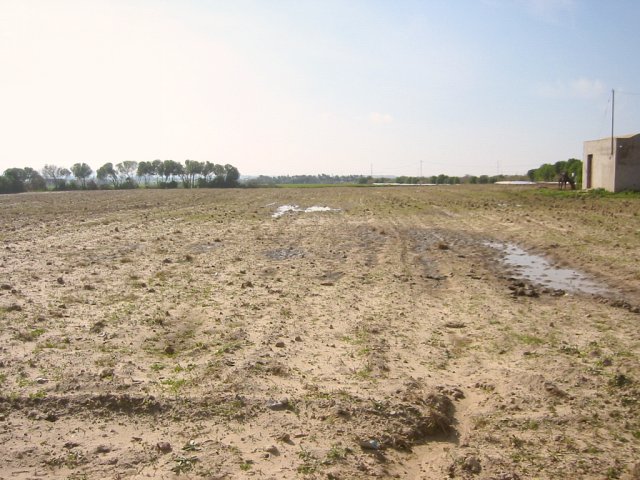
x,y
190,334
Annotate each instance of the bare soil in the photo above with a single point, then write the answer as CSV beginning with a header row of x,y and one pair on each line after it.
x,y
190,334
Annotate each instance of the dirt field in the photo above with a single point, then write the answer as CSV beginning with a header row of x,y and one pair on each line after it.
x,y
157,334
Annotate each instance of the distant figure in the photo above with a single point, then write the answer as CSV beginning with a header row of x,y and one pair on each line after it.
x,y
565,178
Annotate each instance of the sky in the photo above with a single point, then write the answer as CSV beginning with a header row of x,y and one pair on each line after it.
x,y
284,87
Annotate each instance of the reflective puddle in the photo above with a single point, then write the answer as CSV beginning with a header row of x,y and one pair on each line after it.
x,y
538,270
285,253
281,210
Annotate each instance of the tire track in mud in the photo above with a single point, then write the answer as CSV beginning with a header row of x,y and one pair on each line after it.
x,y
332,273
445,266
395,334
367,330
452,328
486,380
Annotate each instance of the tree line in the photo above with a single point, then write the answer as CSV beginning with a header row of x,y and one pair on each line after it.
x,y
324,179
169,174
321,179
442,179
195,174
548,172
123,175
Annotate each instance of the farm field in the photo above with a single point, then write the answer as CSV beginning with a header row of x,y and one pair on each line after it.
x,y
192,334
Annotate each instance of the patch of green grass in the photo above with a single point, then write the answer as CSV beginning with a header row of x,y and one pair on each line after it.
x,y
595,193
31,335
570,350
184,464
106,361
361,337
174,384
364,351
311,185
232,409
336,454
229,347
70,460
56,343
191,446
309,462
529,339
201,346
150,346
531,425
624,354
23,381
364,373
74,459
39,395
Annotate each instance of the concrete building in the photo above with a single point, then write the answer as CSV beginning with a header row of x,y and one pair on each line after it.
x,y
612,165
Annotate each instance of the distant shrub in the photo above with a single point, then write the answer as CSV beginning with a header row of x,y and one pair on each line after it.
x,y
171,184
128,184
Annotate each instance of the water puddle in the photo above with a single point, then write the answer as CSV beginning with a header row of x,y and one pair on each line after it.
x,y
281,210
285,253
540,271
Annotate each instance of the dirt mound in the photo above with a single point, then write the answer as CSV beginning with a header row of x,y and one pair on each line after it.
x,y
406,419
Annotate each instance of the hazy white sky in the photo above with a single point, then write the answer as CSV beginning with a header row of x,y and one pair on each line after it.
x,y
324,86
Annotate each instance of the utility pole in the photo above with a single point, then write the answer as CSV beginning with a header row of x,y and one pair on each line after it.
x,y
420,168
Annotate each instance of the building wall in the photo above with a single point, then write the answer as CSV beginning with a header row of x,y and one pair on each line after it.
x,y
602,165
627,163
